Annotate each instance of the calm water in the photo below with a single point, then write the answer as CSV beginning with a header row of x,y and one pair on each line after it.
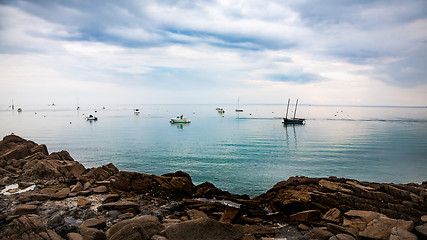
x,y
245,153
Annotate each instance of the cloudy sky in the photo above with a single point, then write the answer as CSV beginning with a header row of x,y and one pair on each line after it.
x,y
148,52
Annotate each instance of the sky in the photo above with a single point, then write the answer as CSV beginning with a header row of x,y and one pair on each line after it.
x,y
212,52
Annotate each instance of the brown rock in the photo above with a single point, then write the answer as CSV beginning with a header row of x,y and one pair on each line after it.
x,y
356,220
61,194
421,231
27,225
100,189
333,186
230,215
305,216
92,234
204,229
48,191
333,215
77,188
258,230
121,205
342,236
195,214
320,234
381,228
74,236
401,234
150,224
83,202
131,231
111,198
102,173
97,222
25,209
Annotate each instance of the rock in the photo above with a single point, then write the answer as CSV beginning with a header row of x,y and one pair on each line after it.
x,y
27,226
74,236
150,224
424,218
51,235
100,189
77,188
421,231
87,186
48,191
356,220
401,234
230,215
83,202
342,236
204,229
25,209
121,205
158,237
381,228
195,214
98,222
258,230
333,186
92,234
333,215
320,234
61,194
111,198
101,173
131,231
305,216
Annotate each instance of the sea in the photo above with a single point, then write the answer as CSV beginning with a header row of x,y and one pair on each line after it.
x,y
243,153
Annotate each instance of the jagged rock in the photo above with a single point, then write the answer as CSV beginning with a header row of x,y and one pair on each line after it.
x,y
342,236
158,237
258,230
204,229
61,194
92,234
401,234
320,234
305,216
100,189
231,215
333,215
25,227
101,173
195,214
334,186
357,220
150,225
25,209
74,236
381,227
131,231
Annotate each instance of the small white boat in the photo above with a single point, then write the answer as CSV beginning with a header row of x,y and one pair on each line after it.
x,y
220,110
19,109
180,119
238,105
91,118
136,111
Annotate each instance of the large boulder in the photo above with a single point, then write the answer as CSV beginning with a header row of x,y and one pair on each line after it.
x,y
101,173
204,229
144,226
29,227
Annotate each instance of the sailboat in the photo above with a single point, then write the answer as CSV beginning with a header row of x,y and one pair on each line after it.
x,y
78,107
293,120
238,105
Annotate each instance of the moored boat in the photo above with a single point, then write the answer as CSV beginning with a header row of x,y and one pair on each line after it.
x,y
91,118
180,119
136,111
293,120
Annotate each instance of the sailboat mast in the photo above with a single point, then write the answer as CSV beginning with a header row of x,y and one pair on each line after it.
x,y
287,109
296,105
13,106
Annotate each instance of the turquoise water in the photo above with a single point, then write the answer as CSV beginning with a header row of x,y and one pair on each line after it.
x,y
245,153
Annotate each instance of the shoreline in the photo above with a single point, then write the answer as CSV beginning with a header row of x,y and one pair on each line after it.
x,y
69,201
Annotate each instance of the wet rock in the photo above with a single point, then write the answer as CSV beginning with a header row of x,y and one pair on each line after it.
x,y
195,214
149,224
381,228
25,209
92,234
98,222
333,215
204,228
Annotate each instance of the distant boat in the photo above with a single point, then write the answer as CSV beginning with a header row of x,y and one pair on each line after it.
x,y
136,111
91,118
78,107
19,109
293,120
238,105
220,110
180,119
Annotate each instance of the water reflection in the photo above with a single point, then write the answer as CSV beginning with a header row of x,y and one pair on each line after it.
x,y
291,134
179,125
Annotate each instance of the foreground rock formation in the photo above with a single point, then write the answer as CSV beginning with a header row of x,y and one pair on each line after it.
x,y
55,197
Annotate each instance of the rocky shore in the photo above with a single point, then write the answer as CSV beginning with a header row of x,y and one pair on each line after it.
x,y
51,196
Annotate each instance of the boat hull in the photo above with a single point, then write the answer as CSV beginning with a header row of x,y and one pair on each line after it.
x,y
178,120
293,121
